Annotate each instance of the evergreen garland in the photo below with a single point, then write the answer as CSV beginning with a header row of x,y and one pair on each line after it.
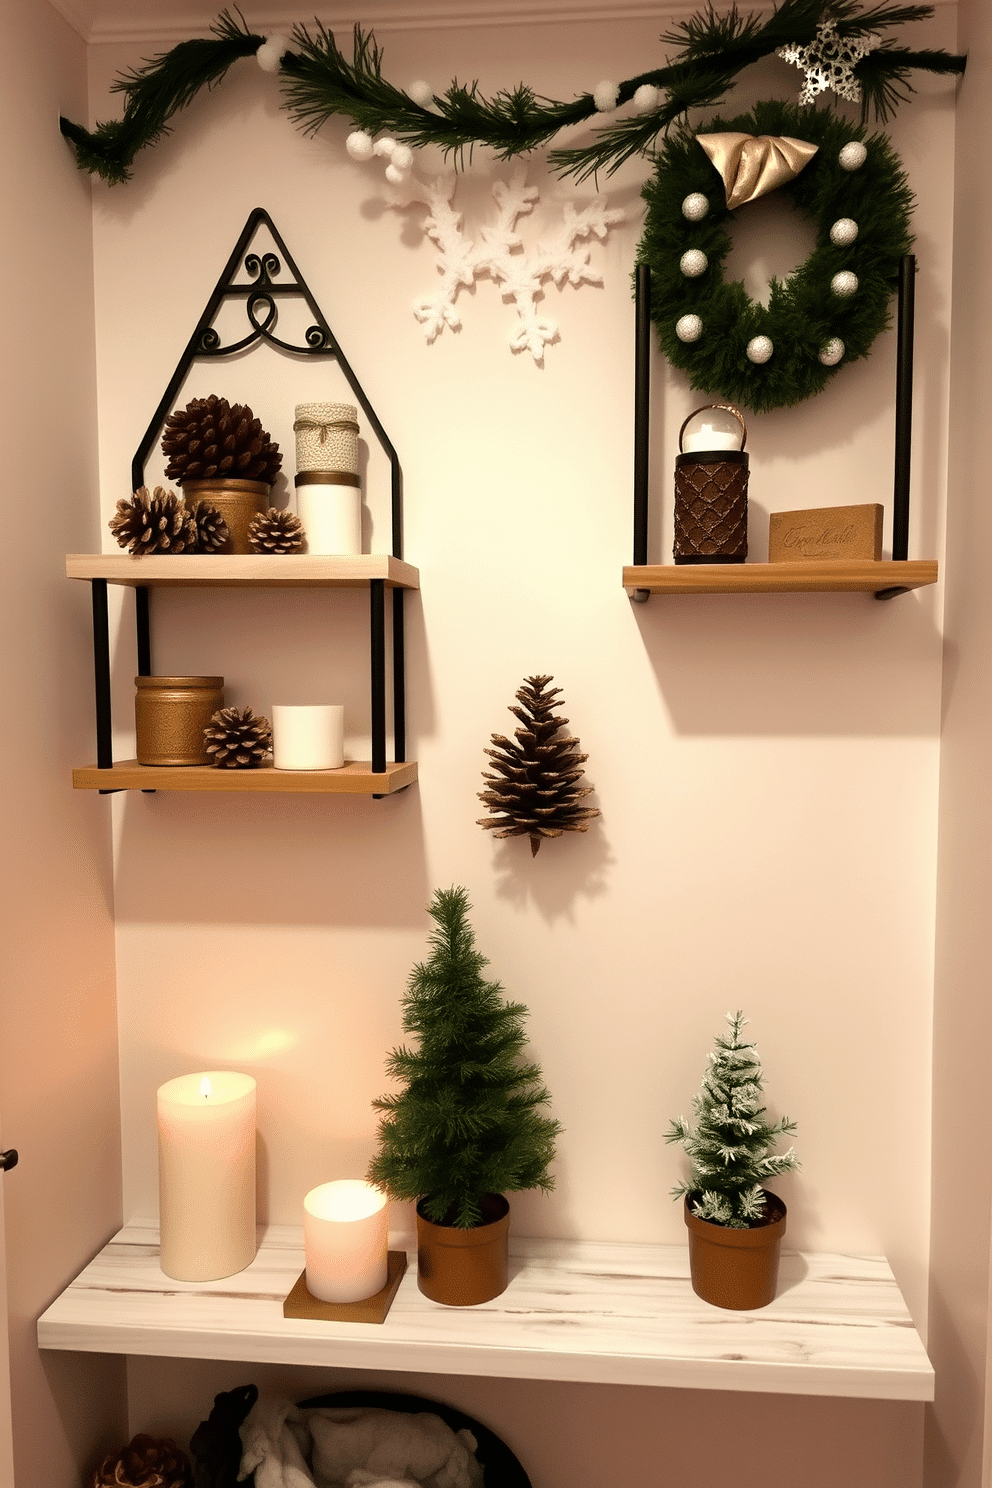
x,y
467,1122
320,82
803,314
728,1145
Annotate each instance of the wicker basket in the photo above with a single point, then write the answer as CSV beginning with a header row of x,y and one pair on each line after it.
x,y
711,500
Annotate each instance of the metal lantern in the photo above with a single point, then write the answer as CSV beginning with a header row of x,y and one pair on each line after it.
x,y
711,492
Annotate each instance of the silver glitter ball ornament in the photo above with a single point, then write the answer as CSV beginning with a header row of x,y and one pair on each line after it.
x,y
844,232
759,349
695,206
844,284
853,156
832,351
693,263
689,328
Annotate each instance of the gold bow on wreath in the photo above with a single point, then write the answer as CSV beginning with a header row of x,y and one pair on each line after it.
x,y
751,165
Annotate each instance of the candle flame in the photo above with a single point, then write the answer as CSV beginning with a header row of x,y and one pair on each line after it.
x,y
205,1086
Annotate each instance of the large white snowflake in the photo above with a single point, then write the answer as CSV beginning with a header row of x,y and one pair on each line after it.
x,y
560,257
828,63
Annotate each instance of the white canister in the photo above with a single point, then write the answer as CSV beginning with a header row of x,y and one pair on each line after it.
x,y
326,436
329,504
307,736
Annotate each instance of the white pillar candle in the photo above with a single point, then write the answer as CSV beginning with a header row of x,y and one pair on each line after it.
x,y
346,1238
308,736
330,508
206,1169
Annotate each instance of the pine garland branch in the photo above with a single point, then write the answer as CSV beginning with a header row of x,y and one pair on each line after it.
x,y
162,87
319,82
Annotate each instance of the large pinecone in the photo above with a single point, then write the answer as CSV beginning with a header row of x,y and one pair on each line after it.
x,y
153,522
209,438
276,531
534,792
238,739
146,1462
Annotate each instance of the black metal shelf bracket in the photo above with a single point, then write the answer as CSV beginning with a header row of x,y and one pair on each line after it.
x,y
260,298
903,421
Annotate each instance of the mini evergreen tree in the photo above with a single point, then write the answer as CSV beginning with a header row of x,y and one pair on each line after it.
x,y
467,1124
729,1144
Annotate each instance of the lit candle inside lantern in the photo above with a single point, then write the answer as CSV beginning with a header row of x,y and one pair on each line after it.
x,y
345,1237
206,1168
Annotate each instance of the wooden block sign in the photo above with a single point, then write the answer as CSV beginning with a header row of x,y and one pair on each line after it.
x,y
825,532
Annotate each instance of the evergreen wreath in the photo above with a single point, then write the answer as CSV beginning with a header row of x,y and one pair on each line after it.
x,y
319,82
812,328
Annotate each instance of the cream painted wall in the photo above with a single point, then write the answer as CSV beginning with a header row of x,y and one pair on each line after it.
x,y
767,769
58,1051
958,1452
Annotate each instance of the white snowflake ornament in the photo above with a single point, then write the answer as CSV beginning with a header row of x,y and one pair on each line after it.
x,y
844,284
759,349
829,62
688,328
832,351
693,263
844,232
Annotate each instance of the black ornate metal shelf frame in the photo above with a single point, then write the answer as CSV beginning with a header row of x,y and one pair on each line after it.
x,y
260,297
905,320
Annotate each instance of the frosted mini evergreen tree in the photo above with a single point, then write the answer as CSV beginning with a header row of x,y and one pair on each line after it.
x,y
729,1144
467,1122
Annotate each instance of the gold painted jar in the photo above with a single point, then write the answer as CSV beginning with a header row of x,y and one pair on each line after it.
x,y
170,714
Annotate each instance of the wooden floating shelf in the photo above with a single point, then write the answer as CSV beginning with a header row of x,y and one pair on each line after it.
x,y
253,570
573,1310
825,576
356,778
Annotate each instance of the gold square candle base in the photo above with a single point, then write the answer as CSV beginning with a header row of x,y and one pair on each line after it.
x,y
302,1304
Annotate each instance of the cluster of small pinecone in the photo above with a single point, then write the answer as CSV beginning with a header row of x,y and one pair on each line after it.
x,y
159,521
146,1462
238,739
210,438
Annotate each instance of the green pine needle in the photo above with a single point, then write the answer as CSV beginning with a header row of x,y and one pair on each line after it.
x,y
154,92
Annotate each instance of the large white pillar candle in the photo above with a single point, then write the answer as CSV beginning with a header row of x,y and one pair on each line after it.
x,y
307,736
206,1172
329,504
346,1239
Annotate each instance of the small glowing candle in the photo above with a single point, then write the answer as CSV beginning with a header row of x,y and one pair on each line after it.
x,y
345,1237
206,1166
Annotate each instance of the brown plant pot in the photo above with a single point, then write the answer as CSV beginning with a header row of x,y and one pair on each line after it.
x,y
464,1267
238,502
736,1268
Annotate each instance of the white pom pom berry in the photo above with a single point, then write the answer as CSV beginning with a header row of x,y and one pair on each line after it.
x,y
359,145
605,96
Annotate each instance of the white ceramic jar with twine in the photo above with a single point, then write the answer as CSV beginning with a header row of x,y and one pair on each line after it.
x,y
328,492
326,436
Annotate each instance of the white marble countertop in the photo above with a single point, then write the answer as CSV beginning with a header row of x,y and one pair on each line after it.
x,y
574,1310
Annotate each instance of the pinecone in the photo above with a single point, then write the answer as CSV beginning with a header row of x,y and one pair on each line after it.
x,y
209,438
276,531
212,532
238,739
535,792
153,522
146,1462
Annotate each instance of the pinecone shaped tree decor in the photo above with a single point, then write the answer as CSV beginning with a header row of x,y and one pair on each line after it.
x,y
209,438
153,522
212,531
146,1462
534,791
276,531
238,739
